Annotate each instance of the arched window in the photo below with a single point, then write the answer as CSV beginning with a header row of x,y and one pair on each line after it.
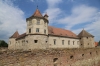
x,y
38,22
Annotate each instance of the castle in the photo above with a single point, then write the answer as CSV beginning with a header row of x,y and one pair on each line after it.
x,y
41,36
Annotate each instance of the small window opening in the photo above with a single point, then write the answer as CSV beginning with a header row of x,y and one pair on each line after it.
x,y
54,41
82,55
73,42
35,41
88,43
55,59
29,30
81,44
27,41
71,57
46,41
87,37
62,42
90,53
45,31
68,42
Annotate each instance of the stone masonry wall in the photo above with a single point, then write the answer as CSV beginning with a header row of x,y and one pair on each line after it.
x,y
50,57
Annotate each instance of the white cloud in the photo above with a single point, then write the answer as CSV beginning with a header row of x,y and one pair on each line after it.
x,y
53,3
11,19
32,0
86,16
90,16
53,11
80,14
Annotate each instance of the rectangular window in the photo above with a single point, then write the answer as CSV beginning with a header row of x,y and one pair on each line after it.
x,y
38,22
26,41
78,42
54,41
87,37
45,31
62,42
9,42
73,42
37,29
30,30
35,41
69,42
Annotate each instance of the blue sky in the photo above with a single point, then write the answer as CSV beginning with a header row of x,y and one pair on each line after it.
x,y
72,15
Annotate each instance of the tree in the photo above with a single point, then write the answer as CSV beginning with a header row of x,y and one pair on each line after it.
x,y
99,43
3,43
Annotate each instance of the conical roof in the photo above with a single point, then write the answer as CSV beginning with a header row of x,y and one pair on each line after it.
x,y
84,33
15,35
46,15
37,13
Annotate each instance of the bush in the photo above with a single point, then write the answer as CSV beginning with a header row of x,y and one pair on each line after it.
x,y
3,43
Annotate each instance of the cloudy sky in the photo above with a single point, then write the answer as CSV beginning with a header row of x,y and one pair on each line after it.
x,y
73,15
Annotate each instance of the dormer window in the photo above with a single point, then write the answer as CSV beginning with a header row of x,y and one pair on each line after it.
x,y
38,22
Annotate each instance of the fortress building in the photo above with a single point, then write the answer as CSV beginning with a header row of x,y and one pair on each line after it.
x,y
41,36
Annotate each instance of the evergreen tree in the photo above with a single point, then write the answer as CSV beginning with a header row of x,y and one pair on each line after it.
x,y
3,43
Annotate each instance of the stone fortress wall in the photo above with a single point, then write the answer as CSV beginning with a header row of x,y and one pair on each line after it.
x,y
51,57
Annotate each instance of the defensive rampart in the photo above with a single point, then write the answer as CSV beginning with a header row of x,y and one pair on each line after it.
x,y
51,57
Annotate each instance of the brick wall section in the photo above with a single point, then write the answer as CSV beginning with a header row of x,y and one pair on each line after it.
x,y
51,57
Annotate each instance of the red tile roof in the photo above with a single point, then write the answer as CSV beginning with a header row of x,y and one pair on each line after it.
x,y
84,33
37,13
61,32
56,32
15,35
21,36
96,44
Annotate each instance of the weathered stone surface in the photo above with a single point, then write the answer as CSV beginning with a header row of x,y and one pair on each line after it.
x,y
51,57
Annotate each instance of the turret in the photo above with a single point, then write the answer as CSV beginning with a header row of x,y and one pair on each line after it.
x,y
37,24
46,16
12,40
86,39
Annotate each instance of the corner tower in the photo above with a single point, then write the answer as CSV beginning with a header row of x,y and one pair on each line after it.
x,y
12,41
37,24
86,39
